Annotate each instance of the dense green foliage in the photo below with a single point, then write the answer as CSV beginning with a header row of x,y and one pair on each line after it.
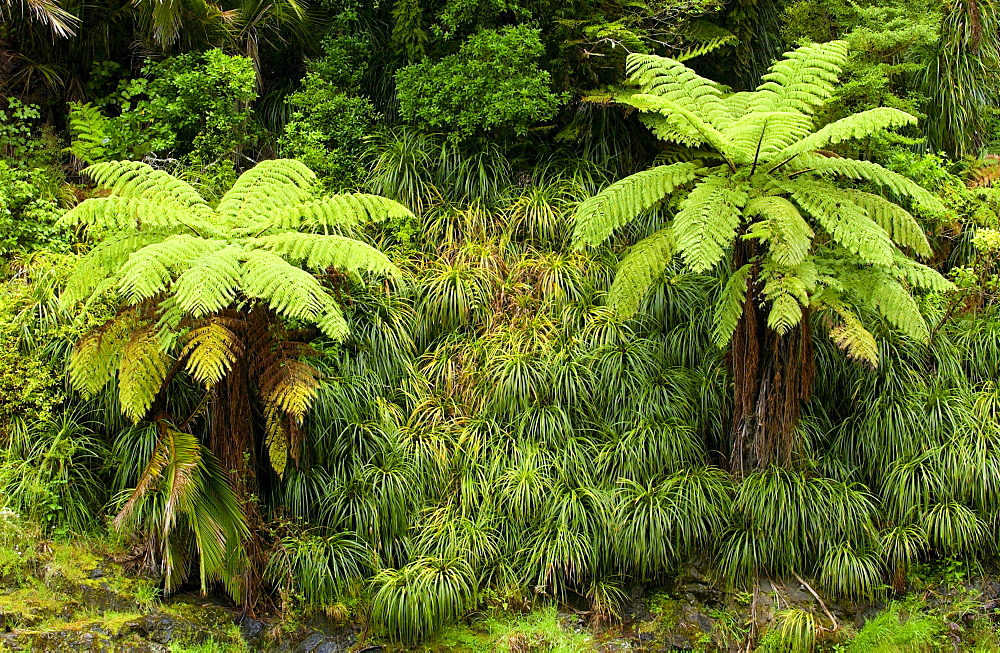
x,y
401,310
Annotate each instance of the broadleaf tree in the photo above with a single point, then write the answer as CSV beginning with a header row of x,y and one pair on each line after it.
x,y
224,298
797,229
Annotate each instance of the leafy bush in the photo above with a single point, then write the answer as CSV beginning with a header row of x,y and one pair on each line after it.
x,y
328,132
195,106
30,205
492,84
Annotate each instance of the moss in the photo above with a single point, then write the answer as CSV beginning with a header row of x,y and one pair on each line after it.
x,y
539,630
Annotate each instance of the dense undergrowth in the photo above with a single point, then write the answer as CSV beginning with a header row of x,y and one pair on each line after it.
x,y
482,429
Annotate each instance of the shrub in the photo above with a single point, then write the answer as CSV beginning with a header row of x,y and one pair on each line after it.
x,y
492,84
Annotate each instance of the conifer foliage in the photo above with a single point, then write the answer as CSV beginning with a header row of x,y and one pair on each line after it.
x,y
211,294
767,204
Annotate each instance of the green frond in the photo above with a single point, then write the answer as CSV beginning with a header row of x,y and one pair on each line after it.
x,y
921,276
209,282
887,296
786,306
141,373
845,221
787,234
266,188
136,180
211,351
758,135
802,80
289,290
853,337
705,37
619,203
855,126
671,80
332,323
102,264
337,211
641,267
110,214
320,252
151,270
690,127
729,308
901,226
870,171
707,221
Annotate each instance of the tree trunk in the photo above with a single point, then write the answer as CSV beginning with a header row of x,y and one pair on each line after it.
x,y
233,441
772,375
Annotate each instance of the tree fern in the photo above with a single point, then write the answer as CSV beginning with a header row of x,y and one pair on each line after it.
x,y
797,241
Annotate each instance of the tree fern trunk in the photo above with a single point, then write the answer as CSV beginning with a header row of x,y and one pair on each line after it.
x,y
772,375
233,442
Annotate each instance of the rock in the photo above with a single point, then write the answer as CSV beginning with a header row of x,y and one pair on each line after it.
x,y
319,643
250,627
96,573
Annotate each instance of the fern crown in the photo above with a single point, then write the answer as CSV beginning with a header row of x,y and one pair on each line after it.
x,y
175,262
771,184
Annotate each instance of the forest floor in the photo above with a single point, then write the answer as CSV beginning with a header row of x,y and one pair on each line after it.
x,y
77,597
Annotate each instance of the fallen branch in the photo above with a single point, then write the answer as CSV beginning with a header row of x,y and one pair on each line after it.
x,y
821,604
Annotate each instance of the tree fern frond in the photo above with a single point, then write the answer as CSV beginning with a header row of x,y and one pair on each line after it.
x,y
641,267
858,125
116,213
845,221
802,80
873,172
103,262
788,235
853,337
901,226
729,308
96,357
785,313
141,373
290,386
288,290
887,296
332,323
211,351
209,282
671,80
336,211
320,252
705,37
265,188
619,203
707,221
136,180
150,270
759,134
690,124
921,276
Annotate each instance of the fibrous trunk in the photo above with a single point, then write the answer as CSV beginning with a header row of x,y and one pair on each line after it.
x,y
772,376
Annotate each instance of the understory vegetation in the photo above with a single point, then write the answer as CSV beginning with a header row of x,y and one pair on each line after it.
x,y
425,312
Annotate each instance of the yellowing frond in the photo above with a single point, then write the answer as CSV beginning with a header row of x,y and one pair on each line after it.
x,y
853,337
211,351
96,356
